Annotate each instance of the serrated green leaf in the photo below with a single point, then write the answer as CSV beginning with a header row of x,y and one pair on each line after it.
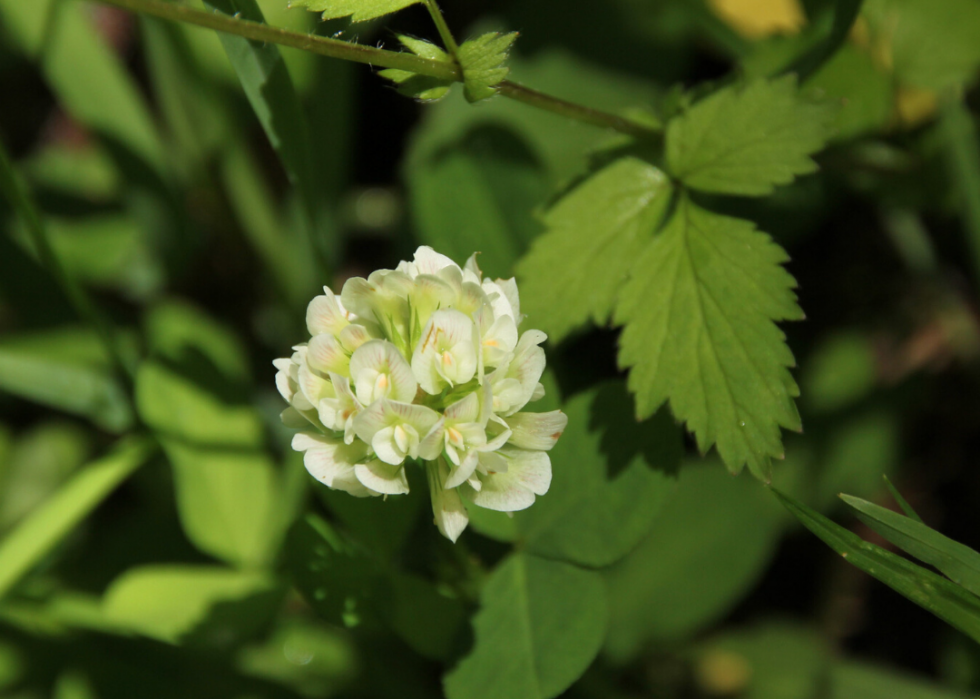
x,y
482,60
611,476
575,271
959,563
357,10
932,592
539,626
746,139
47,525
421,87
699,313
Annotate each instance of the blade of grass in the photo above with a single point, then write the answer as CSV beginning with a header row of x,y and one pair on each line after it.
x,y
906,507
57,517
947,600
959,563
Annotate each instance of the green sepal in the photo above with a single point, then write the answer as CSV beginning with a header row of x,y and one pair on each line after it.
x,y
420,87
482,60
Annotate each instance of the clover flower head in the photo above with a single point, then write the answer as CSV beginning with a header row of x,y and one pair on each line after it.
x,y
423,363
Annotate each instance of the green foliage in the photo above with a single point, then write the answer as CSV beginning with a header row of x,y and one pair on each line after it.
x,y
947,600
357,10
746,139
421,87
482,60
539,626
959,563
35,537
700,333
576,270
184,597
612,477
707,547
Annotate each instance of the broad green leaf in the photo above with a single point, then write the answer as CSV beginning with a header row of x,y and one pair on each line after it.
x,y
171,602
82,170
959,563
421,87
746,139
75,387
539,626
706,548
89,79
24,547
576,270
611,476
932,592
267,84
357,10
315,659
866,94
346,585
478,193
771,660
226,484
482,60
176,330
933,44
854,680
699,313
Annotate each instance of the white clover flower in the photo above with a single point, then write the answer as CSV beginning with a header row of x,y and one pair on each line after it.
x,y
423,364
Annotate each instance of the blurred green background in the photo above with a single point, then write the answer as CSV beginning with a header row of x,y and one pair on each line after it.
x,y
180,573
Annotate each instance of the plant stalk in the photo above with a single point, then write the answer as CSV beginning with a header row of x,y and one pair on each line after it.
x,y
381,58
447,36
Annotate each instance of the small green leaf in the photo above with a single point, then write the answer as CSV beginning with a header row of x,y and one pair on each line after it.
x,y
576,270
853,680
746,139
482,60
421,87
539,626
357,10
170,603
611,476
51,522
932,592
700,332
959,563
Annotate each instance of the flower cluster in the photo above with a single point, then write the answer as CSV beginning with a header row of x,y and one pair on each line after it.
x,y
423,362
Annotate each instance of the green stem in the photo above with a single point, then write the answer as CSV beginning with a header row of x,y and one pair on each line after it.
x,y
20,199
307,42
447,36
377,57
574,111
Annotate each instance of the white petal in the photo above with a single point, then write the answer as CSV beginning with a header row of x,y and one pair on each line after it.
x,y
325,315
332,462
465,410
389,447
428,261
473,268
538,393
536,430
369,421
313,387
431,445
381,357
502,492
356,334
326,354
462,473
447,507
445,353
382,478
531,468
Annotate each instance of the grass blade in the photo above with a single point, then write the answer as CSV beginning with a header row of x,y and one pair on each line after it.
x,y
902,502
932,592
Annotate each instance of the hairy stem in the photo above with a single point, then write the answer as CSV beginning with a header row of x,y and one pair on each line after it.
x,y
334,48
447,36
